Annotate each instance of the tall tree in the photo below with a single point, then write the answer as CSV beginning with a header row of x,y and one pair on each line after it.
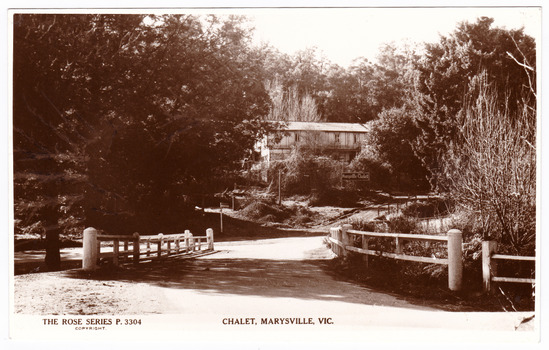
x,y
445,73
117,116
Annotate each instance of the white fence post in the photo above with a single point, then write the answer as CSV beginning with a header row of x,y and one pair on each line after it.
x,y
189,241
339,239
345,238
455,262
160,244
210,237
89,245
332,236
488,266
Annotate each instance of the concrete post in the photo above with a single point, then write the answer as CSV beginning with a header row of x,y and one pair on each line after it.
x,y
89,245
333,236
187,243
160,244
488,267
210,235
339,238
189,240
455,261
346,240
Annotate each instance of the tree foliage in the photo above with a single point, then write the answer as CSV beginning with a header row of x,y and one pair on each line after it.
x,y
391,140
446,71
117,117
288,105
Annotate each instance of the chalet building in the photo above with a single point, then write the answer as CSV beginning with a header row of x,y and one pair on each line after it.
x,y
342,141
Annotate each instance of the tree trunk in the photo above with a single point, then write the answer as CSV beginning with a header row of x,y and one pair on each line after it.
x,y
53,256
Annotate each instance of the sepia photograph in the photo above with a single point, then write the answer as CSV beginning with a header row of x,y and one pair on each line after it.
x,y
261,175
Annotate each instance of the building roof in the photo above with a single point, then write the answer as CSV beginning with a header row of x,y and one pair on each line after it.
x,y
333,127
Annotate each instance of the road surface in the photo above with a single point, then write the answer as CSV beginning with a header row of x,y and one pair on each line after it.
x,y
284,278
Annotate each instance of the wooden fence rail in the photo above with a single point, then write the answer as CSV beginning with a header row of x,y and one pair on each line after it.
x,y
341,238
136,248
489,266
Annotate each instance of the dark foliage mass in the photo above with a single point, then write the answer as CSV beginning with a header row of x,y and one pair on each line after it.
x,y
117,117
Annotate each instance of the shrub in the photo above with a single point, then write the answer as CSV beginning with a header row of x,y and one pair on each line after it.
x,y
304,172
432,207
380,173
402,224
335,197
260,210
491,168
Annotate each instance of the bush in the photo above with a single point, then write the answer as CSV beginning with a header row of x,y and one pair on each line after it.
x,y
335,197
402,224
304,172
380,174
268,212
491,168
264,211
433,207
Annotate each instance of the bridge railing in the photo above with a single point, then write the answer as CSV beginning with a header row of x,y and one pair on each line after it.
x,y
490,262
341,239
135,248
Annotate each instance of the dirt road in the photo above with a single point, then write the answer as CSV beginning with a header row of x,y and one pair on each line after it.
x,y
271,278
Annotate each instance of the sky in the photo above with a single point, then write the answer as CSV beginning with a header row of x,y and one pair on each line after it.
x,y
345,34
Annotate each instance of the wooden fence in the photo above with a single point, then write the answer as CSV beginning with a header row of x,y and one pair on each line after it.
x,y
489,266
136,249
341,239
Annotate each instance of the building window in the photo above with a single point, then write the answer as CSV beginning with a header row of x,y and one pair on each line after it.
x,y
336,137
355,138
296,137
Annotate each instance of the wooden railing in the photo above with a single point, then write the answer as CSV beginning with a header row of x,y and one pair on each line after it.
x,y
341,238
489,266
135,248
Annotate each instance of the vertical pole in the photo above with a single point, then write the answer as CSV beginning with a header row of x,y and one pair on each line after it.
x,y
345,238
160,244
333,236
233,194
148,247
89,244
398,246
337,236
220,217
488,265
125,250
455,263
365,246
187,243
136,248
279,187
210,235
115,252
